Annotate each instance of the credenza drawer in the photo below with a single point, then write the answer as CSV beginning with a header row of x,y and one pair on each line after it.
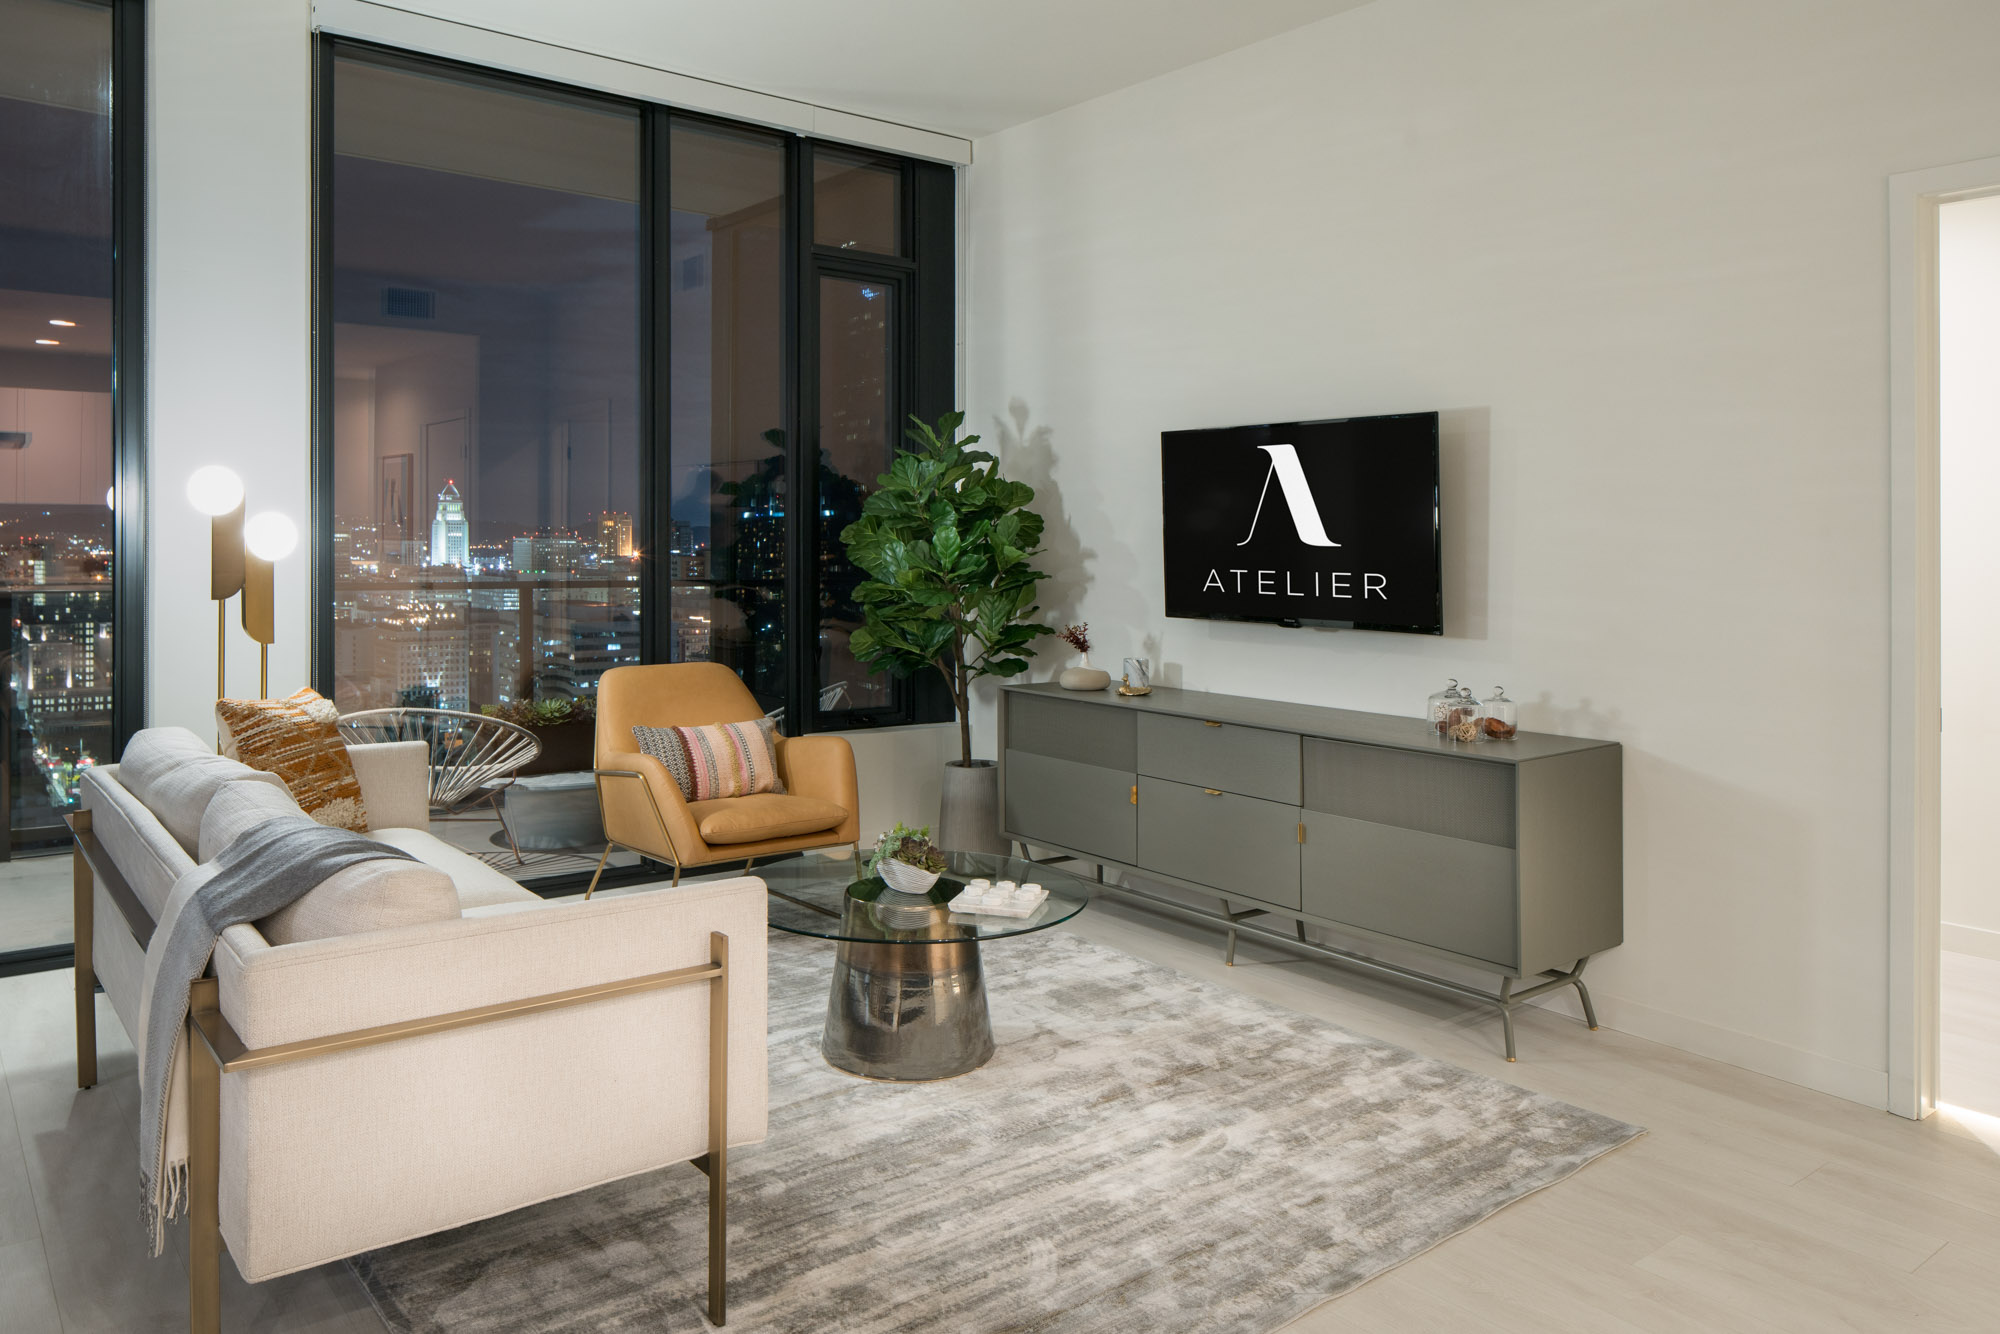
x,y
1246,760
1080,806
1066,729
1456,796
1449,893
1237,844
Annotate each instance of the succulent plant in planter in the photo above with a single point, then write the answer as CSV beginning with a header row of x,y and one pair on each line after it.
x,y
906,860
566,728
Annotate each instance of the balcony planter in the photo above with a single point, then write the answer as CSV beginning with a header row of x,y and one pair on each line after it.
x,y
566,747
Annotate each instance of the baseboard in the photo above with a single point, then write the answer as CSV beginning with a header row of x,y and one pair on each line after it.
x,y
1970,940
1822,1074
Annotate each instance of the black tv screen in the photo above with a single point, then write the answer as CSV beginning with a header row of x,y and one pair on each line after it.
x,y
1306,523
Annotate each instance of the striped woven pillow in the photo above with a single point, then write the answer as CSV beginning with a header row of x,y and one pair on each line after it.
x,y
720,760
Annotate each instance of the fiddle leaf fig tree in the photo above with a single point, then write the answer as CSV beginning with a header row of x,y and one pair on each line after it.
x,y
947,545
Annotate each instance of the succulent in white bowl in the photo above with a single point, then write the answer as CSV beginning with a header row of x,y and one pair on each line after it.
x,y
907,861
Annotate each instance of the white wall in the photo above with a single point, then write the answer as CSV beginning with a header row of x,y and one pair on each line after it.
x,y
229,278
1969,472
1635,251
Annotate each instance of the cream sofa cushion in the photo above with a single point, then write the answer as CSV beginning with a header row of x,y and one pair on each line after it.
x,y
146,854
236,807
478,884
174,775
371,896
368,896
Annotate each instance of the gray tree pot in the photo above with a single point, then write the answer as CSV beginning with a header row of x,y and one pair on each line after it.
x,y
969,814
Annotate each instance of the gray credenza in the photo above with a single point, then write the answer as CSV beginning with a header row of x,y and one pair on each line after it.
x,y
1506,857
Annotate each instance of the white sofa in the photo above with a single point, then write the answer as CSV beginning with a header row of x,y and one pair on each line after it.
x,y
493,1088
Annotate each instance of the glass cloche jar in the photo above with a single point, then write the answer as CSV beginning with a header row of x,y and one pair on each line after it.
x,y
1498,717
1463,724
1440,706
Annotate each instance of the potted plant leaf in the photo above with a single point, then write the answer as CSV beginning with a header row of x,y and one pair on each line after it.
x,y
567,729
948,546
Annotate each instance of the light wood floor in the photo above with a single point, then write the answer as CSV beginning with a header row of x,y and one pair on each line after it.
x,y
1751,1205
1971,1033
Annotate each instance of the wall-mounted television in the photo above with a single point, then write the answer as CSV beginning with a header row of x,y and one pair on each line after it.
x,y
1331,523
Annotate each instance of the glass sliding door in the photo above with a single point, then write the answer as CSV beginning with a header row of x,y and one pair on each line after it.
x,y
56,270
484,298
861,354
727,541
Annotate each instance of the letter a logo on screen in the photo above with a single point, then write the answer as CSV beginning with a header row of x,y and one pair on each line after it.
x,y
1298,498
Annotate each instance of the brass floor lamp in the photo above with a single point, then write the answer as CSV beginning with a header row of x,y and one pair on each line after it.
x,y
267,539
218,493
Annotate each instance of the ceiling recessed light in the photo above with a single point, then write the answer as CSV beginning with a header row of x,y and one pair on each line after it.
x,y
63,324
48,342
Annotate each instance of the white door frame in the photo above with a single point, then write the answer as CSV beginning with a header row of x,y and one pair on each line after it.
x,y
1915,687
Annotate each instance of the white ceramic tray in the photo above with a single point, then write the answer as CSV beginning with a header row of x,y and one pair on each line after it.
x,y
1002,900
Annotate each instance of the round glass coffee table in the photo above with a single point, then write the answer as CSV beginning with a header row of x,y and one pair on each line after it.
x,y
909,995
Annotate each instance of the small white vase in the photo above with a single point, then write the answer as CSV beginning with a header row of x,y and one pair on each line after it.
x,y
1085,677
905,878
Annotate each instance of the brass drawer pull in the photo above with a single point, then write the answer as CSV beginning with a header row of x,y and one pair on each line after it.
x,y
1213,792
1135,794
1206,723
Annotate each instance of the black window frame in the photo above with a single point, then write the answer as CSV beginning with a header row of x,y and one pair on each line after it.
x,y
128,434
926,366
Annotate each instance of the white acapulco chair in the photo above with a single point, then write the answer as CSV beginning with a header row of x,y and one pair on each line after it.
x,y
472,756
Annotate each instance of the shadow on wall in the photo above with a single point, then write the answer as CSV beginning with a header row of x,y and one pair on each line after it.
x,y
1465,468
1027,454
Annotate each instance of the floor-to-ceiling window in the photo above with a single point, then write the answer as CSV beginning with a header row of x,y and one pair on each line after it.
x,y
59,254
602,383
727,540
484,297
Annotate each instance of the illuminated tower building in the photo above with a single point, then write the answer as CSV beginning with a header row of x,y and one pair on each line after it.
x,y
614,535
448,535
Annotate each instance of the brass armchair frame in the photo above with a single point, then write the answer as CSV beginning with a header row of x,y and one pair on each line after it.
x,y
215,1050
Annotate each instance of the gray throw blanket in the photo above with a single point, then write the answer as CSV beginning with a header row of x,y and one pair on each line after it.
x,y
270,866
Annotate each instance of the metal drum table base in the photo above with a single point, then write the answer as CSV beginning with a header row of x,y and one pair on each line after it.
x,y
907,1012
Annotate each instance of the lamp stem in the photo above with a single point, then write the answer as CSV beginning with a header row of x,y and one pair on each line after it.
x,y
263,671
221,649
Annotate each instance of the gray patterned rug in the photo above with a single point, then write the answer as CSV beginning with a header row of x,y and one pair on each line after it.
x,y
1144,1152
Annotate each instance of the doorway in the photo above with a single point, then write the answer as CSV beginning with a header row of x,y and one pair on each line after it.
x,y
1968,362
1917,201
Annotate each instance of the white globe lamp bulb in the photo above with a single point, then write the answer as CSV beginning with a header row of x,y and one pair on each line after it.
x,y
214,490
270,536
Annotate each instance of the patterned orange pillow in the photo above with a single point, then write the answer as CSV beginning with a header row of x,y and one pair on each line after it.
x,y
296,739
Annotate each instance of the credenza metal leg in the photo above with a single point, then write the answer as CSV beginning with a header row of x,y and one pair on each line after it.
x,y
1583,993
1507,1013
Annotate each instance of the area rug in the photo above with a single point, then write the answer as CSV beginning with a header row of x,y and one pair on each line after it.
x,y
1144,1152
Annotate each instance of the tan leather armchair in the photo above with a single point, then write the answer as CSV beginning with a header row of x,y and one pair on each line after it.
x,y
644,809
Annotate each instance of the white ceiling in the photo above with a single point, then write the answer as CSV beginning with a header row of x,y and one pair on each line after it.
x,y
966,67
